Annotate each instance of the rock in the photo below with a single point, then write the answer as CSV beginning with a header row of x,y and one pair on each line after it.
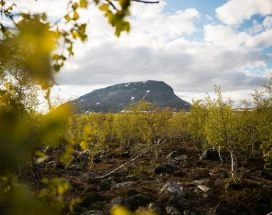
x,y
125,154
165,168
82,156
176,157
178,202
181,158
106,184
76,167
173,154
51,164
99,156
118,200
203,188
179,173
263,173
173,189
224,208
172,210
137,200
202,181
90,199
210,154
94,212
123,184
188,212
155,208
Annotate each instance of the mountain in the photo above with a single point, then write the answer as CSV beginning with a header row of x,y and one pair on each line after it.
x,y
118,97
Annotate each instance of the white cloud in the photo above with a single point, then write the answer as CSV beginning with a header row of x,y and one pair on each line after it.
x,y
54,8
227,37
156,48
224,36
234,12
267,22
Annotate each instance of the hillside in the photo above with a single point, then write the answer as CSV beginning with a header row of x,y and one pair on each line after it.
x,y
118,97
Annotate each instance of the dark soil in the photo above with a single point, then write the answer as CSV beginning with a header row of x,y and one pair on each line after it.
x,y
139,183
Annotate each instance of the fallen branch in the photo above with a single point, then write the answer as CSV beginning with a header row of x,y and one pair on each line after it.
x,y
130,161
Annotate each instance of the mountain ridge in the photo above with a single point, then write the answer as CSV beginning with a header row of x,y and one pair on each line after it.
x,y
118,97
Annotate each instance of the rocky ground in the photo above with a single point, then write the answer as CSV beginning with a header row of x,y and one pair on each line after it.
x,y
181,181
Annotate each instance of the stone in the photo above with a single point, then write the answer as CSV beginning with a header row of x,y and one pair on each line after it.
x,y
90,199
134,202
180,174
118,200
173,189
155,208
204,188
123,184
82,156
202,181
165,168
188,212
172,210
106,184
224,208
76,167
94,212
173,154
181,158
99,156
210,154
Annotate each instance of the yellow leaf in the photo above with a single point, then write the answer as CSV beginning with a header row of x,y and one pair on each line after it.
x,y
83,3
84,145
76,16
104,7
118,210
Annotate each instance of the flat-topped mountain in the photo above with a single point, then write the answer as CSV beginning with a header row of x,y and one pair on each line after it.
x,y
118,97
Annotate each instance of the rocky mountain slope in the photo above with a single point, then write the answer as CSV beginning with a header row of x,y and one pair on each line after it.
x,y
118,97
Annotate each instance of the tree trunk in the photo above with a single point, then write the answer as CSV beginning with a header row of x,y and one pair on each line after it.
x,y
233,164
220,156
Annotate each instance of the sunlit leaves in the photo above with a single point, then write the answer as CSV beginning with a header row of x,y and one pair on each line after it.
x,y
83,3
53,191
16,199
116,17
119,210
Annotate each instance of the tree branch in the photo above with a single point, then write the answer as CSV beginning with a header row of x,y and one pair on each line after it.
x,y
130,161
145,1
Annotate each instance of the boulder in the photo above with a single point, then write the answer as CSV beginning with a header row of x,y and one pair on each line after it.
x,y
165,168
188,212
155,208
173,154
123,184
173,189
106,184
118,200
204,188
172,210
210,154
135,201
224,208
94,212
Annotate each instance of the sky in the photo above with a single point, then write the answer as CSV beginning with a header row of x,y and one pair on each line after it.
x,y
191,45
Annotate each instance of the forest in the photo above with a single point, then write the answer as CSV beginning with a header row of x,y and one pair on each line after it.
x,y
213,159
